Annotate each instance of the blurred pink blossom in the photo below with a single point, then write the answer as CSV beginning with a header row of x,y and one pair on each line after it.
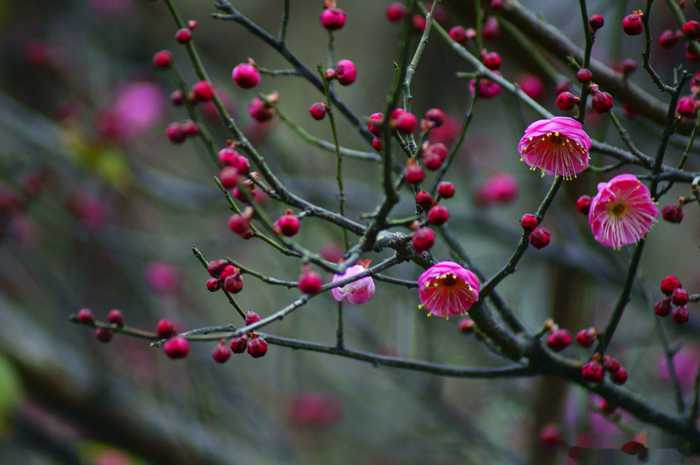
x,y
315,409
112,457
162,277
686,363
499,188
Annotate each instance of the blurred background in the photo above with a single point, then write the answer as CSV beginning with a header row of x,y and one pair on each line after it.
x,y
99,210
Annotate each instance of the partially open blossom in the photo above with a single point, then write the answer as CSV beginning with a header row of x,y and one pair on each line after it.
x,y
558,146
357,292
622,212
447,289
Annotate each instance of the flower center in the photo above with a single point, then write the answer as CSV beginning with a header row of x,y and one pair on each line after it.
x,y
449,280
618,209
556,138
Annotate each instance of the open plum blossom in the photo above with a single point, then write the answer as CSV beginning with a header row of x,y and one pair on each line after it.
x,y
622,212
558,146
357,292
446,289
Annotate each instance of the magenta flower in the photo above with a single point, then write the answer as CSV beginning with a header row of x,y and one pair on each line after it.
x,y
558,146
622,212
447,289
357,292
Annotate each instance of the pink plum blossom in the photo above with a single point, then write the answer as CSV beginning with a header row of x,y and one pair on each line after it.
x,y
558,146
357,292
622,212
447,289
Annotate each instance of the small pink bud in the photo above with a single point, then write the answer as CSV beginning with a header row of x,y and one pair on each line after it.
x,y
596,22
620,376
663,307
458,34
687,107
85,316
183,35
221,353
529,222
679,297
466,325
163,59
680,315
438,215
288,224
251,317
246,76
310,282
259,110
565,101
395,12
239,344
203,91
425,200
540,237
257,347
423,239
176,348
229,177
669,284
435,116
215,267
103,335
584,75
583,204
333,19
213,284
115,317
413,173
165,329
345,72
602,102
672,213
318,111
559,339
668,39
691,29
632,23
240,225
586,337
446,190
592,372
176,133
375,122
